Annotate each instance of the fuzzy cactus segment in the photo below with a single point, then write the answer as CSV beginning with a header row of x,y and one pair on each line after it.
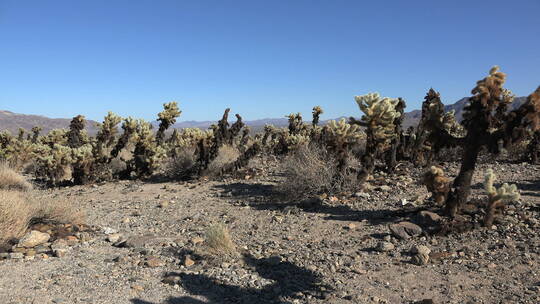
x,y
497,196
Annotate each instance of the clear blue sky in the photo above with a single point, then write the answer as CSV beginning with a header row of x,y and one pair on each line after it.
x,y
261,58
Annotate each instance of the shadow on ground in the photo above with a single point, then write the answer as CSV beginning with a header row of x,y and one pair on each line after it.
x,y
290,282
263,197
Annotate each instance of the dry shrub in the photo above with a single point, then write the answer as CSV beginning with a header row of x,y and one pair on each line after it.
x,y
227,154
181,165
15,215
18,210
219,242
311,171
11,180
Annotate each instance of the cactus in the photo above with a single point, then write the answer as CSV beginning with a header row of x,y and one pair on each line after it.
x,y
437,183
339,136
35,134
106,137
296,124
166,119
497,196
391,154
379,117
436,129
147,155
317,111
75,137
488,124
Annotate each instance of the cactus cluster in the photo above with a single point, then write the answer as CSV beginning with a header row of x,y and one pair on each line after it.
x,y
497,197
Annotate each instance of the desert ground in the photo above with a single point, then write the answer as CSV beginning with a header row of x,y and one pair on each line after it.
x,y
144,243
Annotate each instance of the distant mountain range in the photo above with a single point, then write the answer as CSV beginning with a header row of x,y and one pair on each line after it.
x,y
12,121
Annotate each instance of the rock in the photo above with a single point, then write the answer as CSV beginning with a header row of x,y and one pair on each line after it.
x,y
429,218
33,238
384,247
59,252
43,248
188,261
153,262
4,255
109,230
405,230
197,240
384,188
421,256
351,226
164,204
171,280
137,287
16,255
114,237
362,195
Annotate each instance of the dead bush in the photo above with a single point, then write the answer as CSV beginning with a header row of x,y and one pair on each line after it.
x,y
181,165
227,154
311,171
11,180
18,210
219,242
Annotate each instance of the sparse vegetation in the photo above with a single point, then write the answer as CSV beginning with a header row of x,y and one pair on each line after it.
x,y
219,243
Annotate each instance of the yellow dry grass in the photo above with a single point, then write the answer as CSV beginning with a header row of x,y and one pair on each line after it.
x,y
18,210
11,180
219,242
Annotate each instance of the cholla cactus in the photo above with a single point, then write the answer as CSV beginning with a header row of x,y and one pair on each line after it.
x,y
497,196
83,164
166,119
147,155
35,134
130,127
338,137
437,183
379,116
75,135
55,136
488,124
53,163
107,133
317,111
296,124
294,142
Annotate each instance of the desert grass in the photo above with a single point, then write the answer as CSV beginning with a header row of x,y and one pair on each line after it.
x,y
227,154
19,210
219,243
180,166
11,180
311,171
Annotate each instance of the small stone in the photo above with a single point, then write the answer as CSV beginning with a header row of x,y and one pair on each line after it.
x,y
405,230
421,256
4,255
114,237
164,204
491,265
197,240
137,287
384,188
33,238
188,262
16,255
126,220
362,195
43,248
109,230
59,252
384,247
154,262
351,226
171,280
